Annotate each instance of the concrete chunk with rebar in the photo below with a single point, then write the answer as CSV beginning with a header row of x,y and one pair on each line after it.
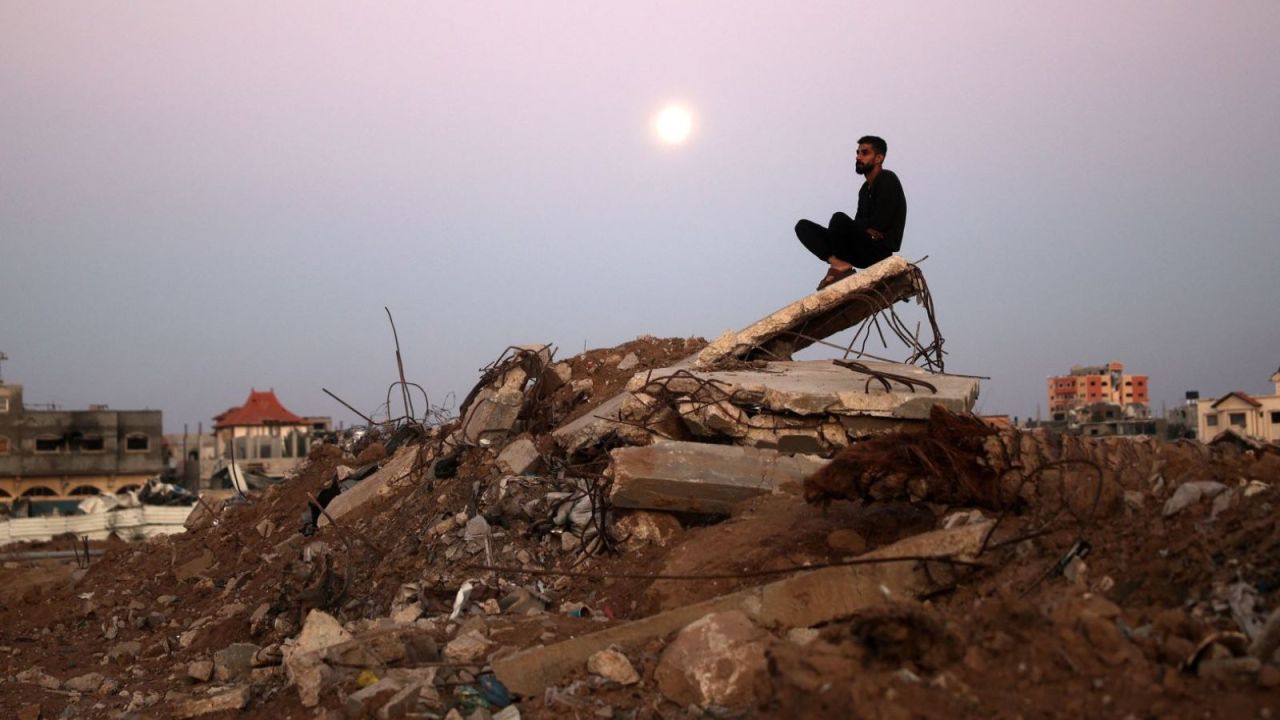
x,y
702,478
837,307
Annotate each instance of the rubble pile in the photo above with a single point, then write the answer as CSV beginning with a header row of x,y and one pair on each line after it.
x,y
672,528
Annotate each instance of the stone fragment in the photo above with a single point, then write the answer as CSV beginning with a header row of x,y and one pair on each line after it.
x,y
477,528
716,660
1190,493
30,711
403,702
127,650
613,665
89,682
491,417
200,670
519,457
846,542
406,606
697,477
235,699
234,661
396,471
468,647
645,527
310,675
629,362
319,631
367,701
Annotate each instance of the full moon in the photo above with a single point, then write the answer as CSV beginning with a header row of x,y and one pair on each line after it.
x,y
674,124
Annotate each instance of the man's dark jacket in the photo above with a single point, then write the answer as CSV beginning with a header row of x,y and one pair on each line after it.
x,y
883,206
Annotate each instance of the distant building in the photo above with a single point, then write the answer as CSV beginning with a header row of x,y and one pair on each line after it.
x,y
50,453
1100,400
1094,384
263,436
1255,416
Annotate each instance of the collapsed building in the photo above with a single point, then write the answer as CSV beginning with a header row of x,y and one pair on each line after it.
x,y
676,528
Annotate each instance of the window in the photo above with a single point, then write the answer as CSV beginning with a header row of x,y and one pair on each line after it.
x,y
1211,420
92,444
1275,419
4,445
4,404
1236,419
137,442
48,444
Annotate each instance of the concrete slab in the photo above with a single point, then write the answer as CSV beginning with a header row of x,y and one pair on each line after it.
x,y
801,600
820,387
837,307
382,482
702,478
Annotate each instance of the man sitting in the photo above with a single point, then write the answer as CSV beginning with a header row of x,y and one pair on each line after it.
x,y
874,233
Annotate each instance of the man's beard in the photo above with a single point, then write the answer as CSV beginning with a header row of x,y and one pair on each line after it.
x,y
860,168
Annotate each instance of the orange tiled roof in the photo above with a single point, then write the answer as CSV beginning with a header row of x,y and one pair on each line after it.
x,y
262,408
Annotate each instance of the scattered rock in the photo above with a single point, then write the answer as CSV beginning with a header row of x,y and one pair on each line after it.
x,y
236,699
89,682
519,457
613,665
234,661
468,647
37,676
29,712
367,701
200,670
127,650
717,660
1190,493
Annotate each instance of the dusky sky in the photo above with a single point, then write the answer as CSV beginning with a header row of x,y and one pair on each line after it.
x,y
200,198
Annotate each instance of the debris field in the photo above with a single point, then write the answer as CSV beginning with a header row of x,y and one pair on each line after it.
x,y
673,528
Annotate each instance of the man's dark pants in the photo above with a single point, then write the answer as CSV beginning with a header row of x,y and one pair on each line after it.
x,y
843,237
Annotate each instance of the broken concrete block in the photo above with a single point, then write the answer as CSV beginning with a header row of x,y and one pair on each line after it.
x,y
1190,493
802,600
89,682
468,647
200,670
837,307
629,362
235,699
697,477
613,665
718,659
643,527
234,661
399,469
310,675
491,417
519,456
820,387
367,701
